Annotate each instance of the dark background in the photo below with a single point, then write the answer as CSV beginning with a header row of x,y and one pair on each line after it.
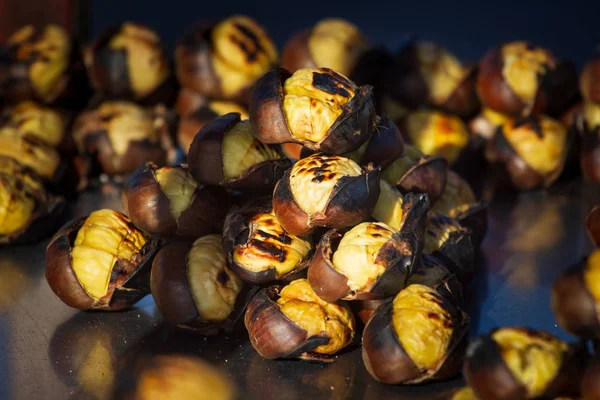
x,y
569,29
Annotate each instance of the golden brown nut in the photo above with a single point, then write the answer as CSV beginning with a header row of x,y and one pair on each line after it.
x,y
293,321
167,201
43,159
120,136
318,108
521,363
100,262
389,207
439,274
331,43
29,119
418,337
327,191
224,60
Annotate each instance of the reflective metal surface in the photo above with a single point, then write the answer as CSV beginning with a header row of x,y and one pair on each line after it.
x,y
49,351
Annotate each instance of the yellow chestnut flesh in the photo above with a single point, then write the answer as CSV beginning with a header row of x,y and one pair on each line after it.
x,y
440,69
303,307
213,286
457,197
313,100
534,358
337,44
423,326
312,179
396,170
523,64
242,53
591,114
591,275
28,118
356,255
438,231
226,107
105,237
242,150
465,393
389,206
16,204
495,117
44,160
178,185
270,246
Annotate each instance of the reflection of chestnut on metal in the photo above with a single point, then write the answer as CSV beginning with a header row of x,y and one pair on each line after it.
x,y
592,225
293,322
588,127
224,60
29,119
260,250
371,260
318,108
530,152
326,191
226,152
100,262
167,201
418,336
521,363
331,43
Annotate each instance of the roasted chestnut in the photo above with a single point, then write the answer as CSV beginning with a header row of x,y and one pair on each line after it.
x,y
520,79
389,208
167,201
426,74
487,122
521,363
224,60
384,147
371,260
592,225
119,136
437,274
194,288
171,377
530,151
226,152
31,152
590,384
331,43
293,322
260,250
100,262
589,80
29,119
327,191
588,126
318,108
418,336
128,62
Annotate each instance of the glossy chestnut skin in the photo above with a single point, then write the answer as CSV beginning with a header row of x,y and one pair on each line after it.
x,y
400,255
150,209
65,284
385,145
592,225
349,131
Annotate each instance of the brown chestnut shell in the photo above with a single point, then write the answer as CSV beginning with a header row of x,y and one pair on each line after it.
x,y
385,145
429,176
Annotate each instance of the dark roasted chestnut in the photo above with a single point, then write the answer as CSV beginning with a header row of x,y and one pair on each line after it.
x,y
418,337
29,119
590,384
318,108
100,262
327,191
532,151
194,288
224,60
120,136
167,201
260,250
226,152
128,62
331,43
588,126
521,363
592,225
487,122
293,322
384,147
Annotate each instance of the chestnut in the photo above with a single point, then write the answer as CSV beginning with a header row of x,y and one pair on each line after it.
x,y
426,74
31,152
120,135
417,337
293,322
331,43
592,225
487,122
259,249
384,147
29,119
224,60
590,384
318,108
371,260
589,80
226,152
522,363
326,191
167,201
171,377
129,62
194,288
437,274
530,151
390,208
100,262
416,172
588,127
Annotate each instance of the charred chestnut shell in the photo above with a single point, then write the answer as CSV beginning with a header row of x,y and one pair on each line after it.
x,y
152,203
398,255
129,279
351,129
592,225
491,377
